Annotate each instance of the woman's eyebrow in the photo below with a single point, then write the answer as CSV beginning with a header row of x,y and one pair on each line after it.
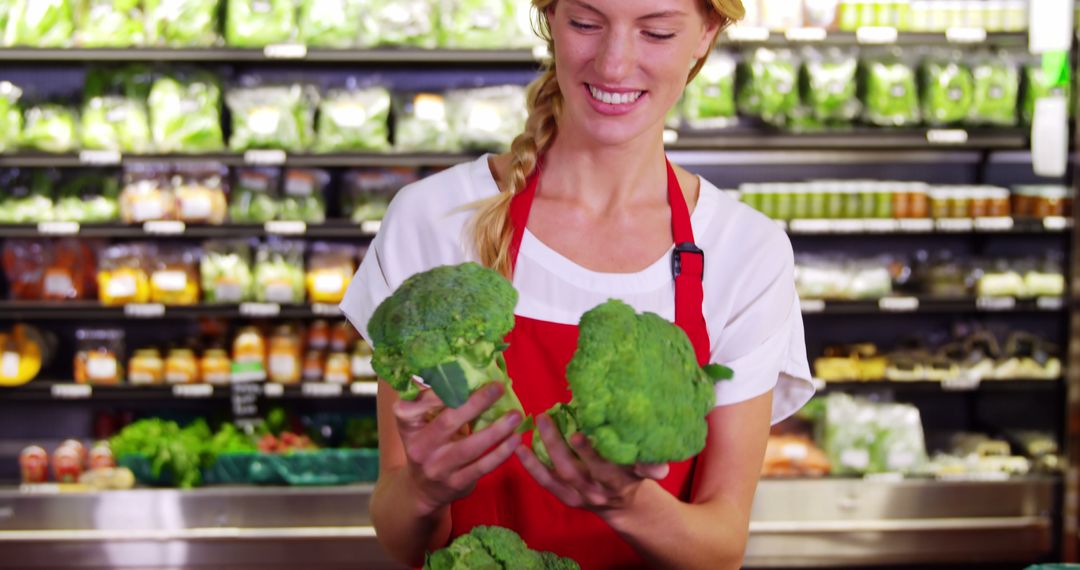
x,y
652,16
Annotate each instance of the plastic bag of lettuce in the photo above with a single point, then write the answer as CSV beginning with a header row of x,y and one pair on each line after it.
x,y
948,89
487,118
279,271
225,271
40,23
277,117
421,124
49,127
185,113
709,100
354,119
399,22
330,23
477,24
1037,87
829,85
997,90
891,97
182,23
254,197
258,23
303,195
110,23
114,115
770,80
90,197
10,116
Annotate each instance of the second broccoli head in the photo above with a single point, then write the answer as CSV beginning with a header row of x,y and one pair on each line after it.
x,y
639,394
446,325
494,548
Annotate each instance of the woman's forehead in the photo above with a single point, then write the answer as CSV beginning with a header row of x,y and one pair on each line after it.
x,y
638,8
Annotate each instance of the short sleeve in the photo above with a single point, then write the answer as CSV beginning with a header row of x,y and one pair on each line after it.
x,y
368,288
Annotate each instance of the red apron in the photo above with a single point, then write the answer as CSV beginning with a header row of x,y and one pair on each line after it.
x,y
536,361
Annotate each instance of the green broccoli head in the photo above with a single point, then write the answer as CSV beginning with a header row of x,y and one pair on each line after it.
x,y
446,325
638,392
496,548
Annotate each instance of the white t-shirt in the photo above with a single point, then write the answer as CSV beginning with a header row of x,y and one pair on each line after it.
x,y
751,308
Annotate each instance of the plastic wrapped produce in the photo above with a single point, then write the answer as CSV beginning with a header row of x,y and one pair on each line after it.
x,y
330,268
10,116
110,23
185,114
27,196
948,89
258,23
123,274
892,96
793,456
354,119
254,197
330,23
770,89
303,196
709,100
899,445
848,434
200,193
997,91
279,271
174,279
477,24
49,128
40,23
399,22
226,271
182,23
367,193
830,86
488,118
1037,87
147,195
88,198
115,123
272,117
421,124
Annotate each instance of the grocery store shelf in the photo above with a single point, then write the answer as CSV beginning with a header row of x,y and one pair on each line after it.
x,y
251,158
88,310
899,305
273,54
855,139
48,391
172,230
959,385
814,36
1056,226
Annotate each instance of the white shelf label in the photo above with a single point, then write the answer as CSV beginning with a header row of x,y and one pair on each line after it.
x,y
810,226
877,35
955,225
946,136
1055,223
848,226
541,52
265,157
671,136
320,390
9,364
794,451
144,310
812,305
58,228
889,477
285,51
998,224
899,304
272,390
371,227
99,157
248,377
285,228
165,228
881,226
748,34
325,310
966,35
364,388
72,391
995,303
855,458
961,384
917,225
260,310
806,34
1050,303
193,390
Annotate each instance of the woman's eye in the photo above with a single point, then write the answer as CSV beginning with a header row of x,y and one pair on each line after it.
x,y
658,36
582,25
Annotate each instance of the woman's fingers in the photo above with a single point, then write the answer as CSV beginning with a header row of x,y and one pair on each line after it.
x,y
416,413
653,471
600,470
451,420
567,494
567,466
473,448
468,476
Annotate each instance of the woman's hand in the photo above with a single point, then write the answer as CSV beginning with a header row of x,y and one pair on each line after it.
x,y
580,478
444,462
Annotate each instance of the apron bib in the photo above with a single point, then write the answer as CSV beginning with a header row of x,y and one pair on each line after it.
x,y
536,361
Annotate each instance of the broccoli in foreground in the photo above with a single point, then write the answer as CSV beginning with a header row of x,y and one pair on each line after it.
x,y
494,548
639,394
446,325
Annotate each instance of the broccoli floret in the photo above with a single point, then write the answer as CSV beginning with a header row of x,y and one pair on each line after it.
x,y
496,548
446,325
563,417
638,392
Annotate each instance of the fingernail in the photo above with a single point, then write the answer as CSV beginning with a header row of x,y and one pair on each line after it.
x,y
495,390
578,440
513,418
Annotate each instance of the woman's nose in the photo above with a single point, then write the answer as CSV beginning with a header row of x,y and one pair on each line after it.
x,y
617,56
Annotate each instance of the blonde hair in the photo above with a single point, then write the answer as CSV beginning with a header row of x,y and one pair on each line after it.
x,y
491,227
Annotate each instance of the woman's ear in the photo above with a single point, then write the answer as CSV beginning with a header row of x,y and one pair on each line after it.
x,y
712,27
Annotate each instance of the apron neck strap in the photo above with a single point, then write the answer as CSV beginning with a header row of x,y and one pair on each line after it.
x,y
687,260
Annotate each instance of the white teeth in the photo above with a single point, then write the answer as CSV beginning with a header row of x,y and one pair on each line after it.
x,y
614,98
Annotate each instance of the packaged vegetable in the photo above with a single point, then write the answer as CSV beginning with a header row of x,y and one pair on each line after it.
x,y
123,274
110,23
280,117
1037,87
258,23
399,22
40,23
185,114
10,116
303,196
279,271
366,193
147,195
830,80
23,353
69,273
487,118
182,23
330,23
997,91
200,193
354,120
421,124
948,89
709,100
49,128
100,356
477,24
88,198
769,85
254,197
24,265
175,276
27,195
115,123
892,96
226,271
330,268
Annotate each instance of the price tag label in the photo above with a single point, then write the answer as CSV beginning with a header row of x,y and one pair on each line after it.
x,y
806,34
961,384
748,34
273,390
99,157
890,477
810,226
955,225
877,35
1050,303
245,401
58,228
947,136
899,304
164,228
794,451
671,136
325,310
320,390
371,227
265,157
144,310
285,228
72,391
1055,223
918,225
193,391
998,224
855,458
812,305
966,35
260,310
881,226
848,226
541,52
285,51
995,303
364,388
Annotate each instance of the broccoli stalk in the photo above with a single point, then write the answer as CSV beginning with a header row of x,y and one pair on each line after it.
x,y
639,394
447,325
494,548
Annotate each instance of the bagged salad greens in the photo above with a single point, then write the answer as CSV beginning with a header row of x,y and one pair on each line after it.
x,y
892,96
88,198
254,196
862,437
259,23
1037,87
830,85
770,81
399,22
367,193
182,23
279,117
997,91
421,123
477,24
948,89
185,114
487,118
329,23
709,100
226,271
49,127
27,195
354,119
10,116
40,23
111,23
279,271
115,123
200,190
303,195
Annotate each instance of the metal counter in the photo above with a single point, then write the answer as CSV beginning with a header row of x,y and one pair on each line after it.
x,y
799,523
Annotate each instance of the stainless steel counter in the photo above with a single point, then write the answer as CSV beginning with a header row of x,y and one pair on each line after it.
x,y
795,524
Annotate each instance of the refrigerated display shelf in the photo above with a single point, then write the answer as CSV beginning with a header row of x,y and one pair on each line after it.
x,y
90,310
957,37
51,391
174,230
958,385
1055,225
28,159
924,305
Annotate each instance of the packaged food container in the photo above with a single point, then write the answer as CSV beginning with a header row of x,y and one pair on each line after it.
x,y
249,356
784,202
939,203
980,202
101,457
146,367
147,195
800,196
918,201
99,355
330,268
998,203
882,194
959,200
314,365
67,466
226,271
1049,201
181,367
279,271
175,277
199,190
361,361
215,366
318,335
34,465
342,336
338,368
285,364
123,276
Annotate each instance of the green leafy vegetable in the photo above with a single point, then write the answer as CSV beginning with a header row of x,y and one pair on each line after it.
x,y
330,23
49,128
948,91
399,22
279,272
477,24
354,120
892,96
997,92
258,23
421,124
770,85
709,100
182,23
40,23
185,115
254,199
115,123
111,23
494,548
830,86
272,117
487,118
225,271
89,198
10,116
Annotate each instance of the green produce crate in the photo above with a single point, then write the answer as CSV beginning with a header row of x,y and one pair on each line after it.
x,y
141,467
312,468
1054,567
